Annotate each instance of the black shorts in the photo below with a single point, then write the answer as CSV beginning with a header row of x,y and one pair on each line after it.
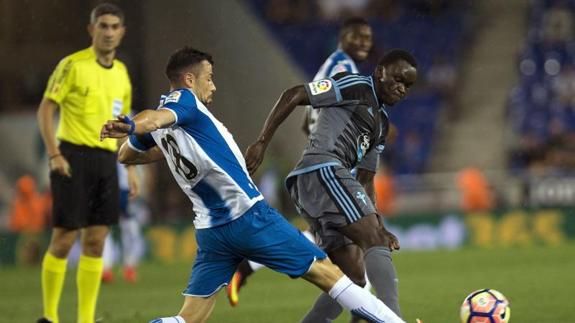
x,y
91,196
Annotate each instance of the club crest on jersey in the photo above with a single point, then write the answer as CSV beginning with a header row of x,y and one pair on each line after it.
x,y
319,87
173,97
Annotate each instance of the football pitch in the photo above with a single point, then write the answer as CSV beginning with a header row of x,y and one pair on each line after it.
x,y
538,281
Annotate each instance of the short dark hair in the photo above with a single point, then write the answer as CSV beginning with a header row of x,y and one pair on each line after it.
x,y
183,58
350,23
106,9
395,55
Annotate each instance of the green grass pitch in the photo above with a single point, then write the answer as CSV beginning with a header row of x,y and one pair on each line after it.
x,y
539,282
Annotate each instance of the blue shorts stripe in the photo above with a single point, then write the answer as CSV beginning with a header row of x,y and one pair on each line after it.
x,y
337,194
341,198
343,191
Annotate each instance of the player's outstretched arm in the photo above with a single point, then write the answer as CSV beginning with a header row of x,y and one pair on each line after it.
x,y
143,122
285,105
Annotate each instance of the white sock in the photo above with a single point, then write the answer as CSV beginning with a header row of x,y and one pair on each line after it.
x,y
361,302
131,241
171,319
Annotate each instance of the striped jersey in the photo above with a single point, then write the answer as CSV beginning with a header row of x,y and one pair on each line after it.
x,y
337,62
353,133
204,159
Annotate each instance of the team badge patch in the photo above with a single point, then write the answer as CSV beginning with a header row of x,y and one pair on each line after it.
x,y
319,87
117,106
173,97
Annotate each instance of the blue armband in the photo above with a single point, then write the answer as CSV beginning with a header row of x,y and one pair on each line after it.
x,y
126,119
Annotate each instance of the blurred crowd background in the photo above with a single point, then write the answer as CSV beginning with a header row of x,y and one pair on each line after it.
x,y
489,125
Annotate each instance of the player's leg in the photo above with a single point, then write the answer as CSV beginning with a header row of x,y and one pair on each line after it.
x,y
131,247
270,240
370,234
349,258
333,199
90,267
108,256
194,310
360,302
245,269
104,195
69,215
131,237
54,270
214,266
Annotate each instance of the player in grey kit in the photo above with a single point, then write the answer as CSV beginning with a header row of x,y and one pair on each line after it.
x,y
351,130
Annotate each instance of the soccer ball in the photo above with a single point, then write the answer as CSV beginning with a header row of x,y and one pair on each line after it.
x,y
485,306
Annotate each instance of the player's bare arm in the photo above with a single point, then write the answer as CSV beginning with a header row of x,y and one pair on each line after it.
x,y
143,122
285,105
365,178
45,117
129,156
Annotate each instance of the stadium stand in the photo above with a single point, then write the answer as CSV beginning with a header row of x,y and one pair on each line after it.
x,y
541,107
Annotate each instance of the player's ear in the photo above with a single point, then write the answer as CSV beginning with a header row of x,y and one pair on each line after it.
x,y
381,73
90,29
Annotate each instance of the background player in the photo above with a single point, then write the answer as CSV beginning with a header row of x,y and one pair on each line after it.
x,y
355,42
89,87
130,234
232,219
350,133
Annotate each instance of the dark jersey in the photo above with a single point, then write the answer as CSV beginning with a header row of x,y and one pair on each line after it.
x,y
351,126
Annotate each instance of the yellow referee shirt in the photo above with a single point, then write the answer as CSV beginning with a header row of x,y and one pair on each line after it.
x,y
88,95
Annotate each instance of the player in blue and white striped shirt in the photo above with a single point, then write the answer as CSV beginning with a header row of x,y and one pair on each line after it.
x,y
232,219
355,42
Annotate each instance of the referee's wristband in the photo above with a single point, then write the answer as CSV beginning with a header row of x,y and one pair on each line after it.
x,y
129,121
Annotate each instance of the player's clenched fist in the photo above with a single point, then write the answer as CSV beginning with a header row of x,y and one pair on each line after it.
x,y
254,156
118,128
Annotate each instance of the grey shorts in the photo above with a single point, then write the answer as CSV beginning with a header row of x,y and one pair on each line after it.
x,y
329,198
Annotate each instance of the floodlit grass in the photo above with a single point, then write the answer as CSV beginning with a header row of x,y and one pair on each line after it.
x,y
538,281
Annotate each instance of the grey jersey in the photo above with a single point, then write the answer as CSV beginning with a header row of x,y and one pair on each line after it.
x,y
351,126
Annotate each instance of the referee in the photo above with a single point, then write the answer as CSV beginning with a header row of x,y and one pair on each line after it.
x,y
89,87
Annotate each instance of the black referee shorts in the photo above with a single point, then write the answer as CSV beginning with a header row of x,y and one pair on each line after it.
x,y
91,196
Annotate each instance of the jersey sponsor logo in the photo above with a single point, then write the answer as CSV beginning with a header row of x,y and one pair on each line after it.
x,y
319,87
174,97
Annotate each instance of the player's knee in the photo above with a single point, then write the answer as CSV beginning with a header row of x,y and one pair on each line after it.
x,y
375,238
93,246
60,246
60,249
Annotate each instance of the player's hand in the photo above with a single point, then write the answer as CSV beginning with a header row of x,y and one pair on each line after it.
x,y
393,242
255,155
133,181
115,128
60,165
